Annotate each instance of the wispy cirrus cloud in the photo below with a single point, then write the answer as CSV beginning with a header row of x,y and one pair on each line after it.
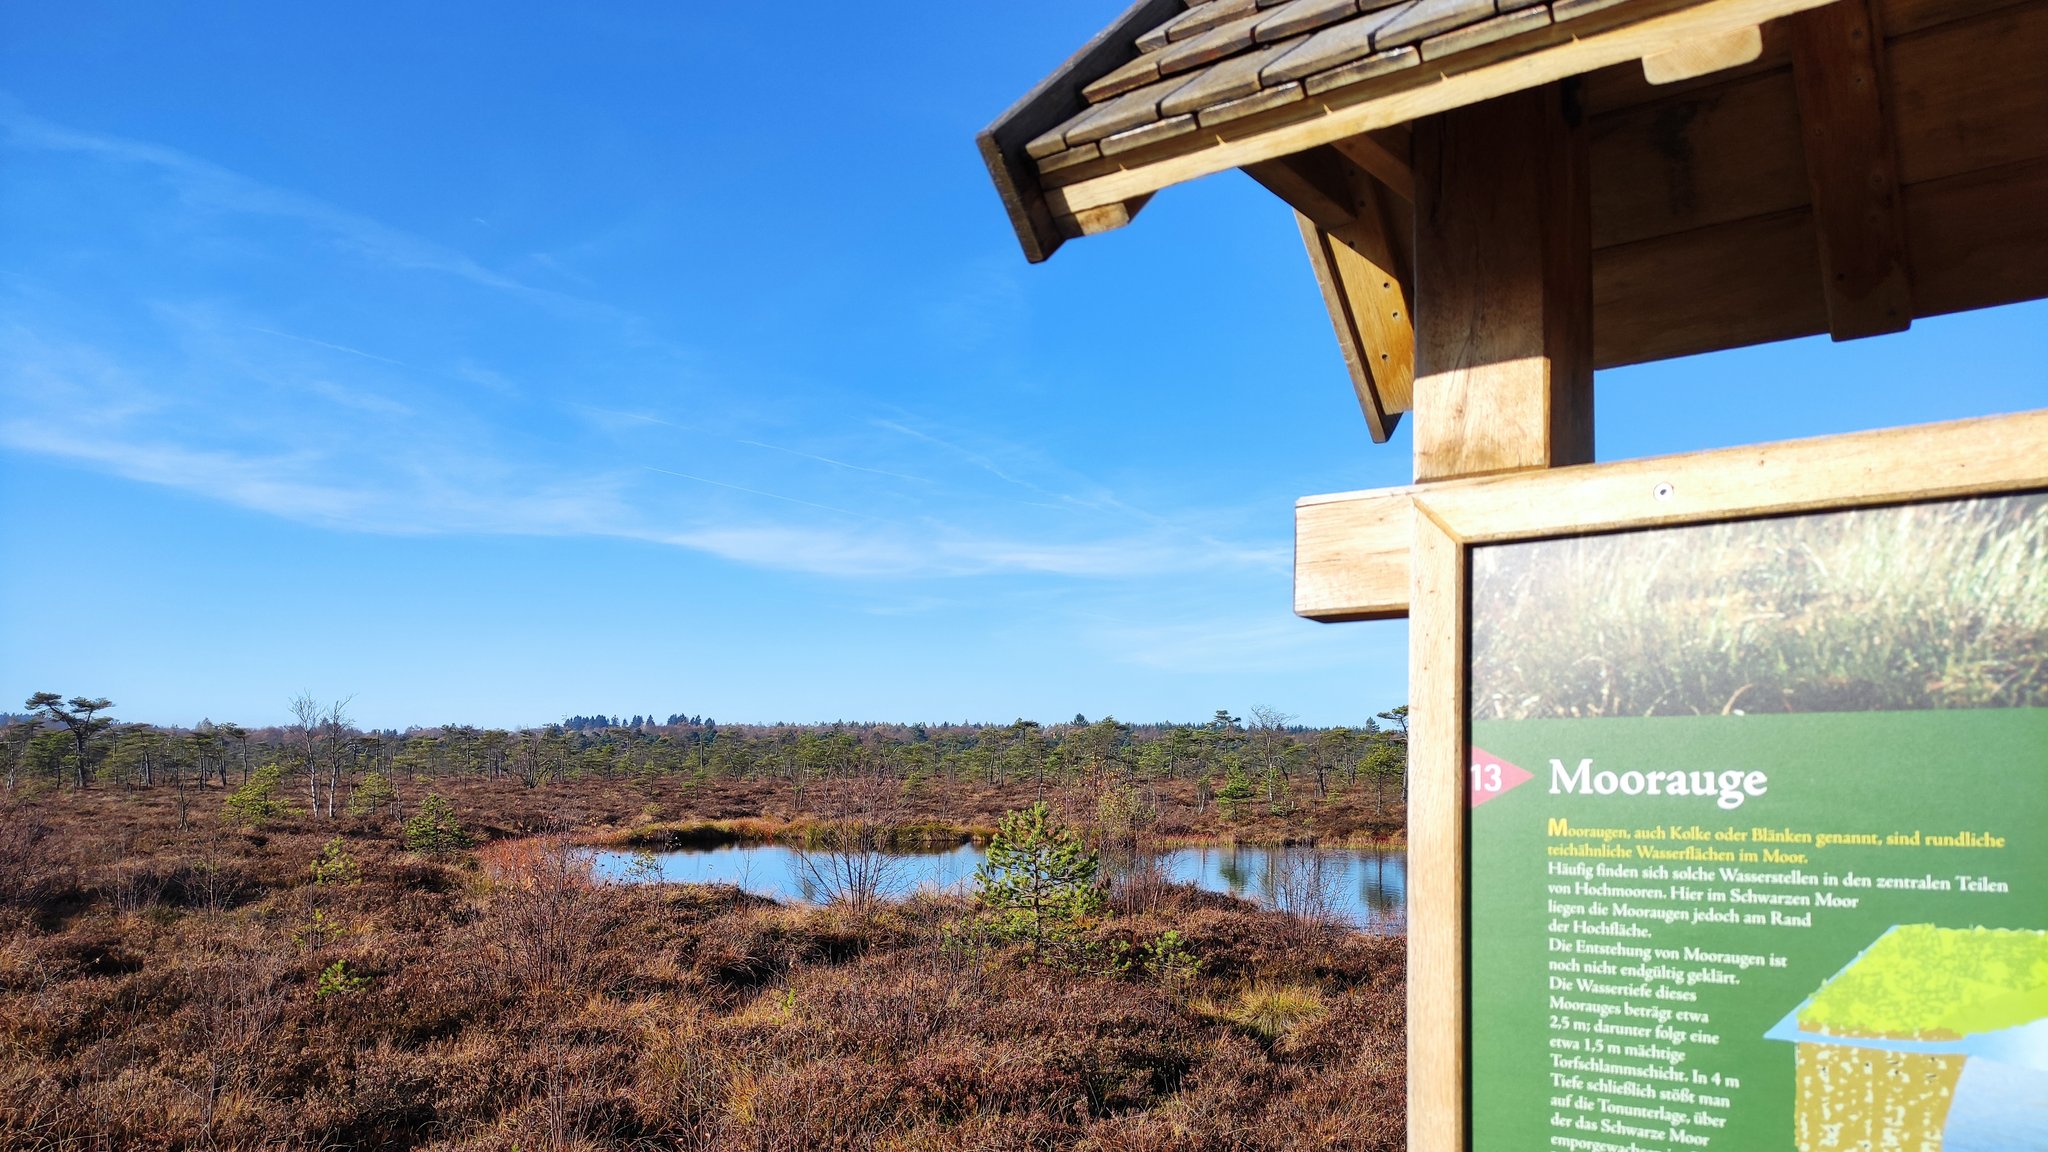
x,y
277,399
201,184
372,465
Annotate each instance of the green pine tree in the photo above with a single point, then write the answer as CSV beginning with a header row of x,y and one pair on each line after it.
x,y
1038,879
433,830
258,799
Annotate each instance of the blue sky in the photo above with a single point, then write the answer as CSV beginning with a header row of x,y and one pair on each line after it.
x,y
498,362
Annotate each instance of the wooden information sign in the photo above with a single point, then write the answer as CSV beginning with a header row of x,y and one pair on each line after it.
x,y
1736,835
1759,833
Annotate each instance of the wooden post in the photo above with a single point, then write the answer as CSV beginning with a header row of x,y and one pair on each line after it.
x,y
1503,287
1503,382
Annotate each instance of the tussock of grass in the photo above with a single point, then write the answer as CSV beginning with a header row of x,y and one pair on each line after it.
x,y
1272,1011
1921,606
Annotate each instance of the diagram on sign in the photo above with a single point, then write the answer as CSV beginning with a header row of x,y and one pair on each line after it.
x,y
1931,1038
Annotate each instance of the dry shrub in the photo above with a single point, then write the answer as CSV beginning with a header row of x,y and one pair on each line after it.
x,y
542,911
26,873
1307,887
1139,884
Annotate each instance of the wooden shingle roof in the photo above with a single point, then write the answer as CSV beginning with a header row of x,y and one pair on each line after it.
x,y
1178,89
1222,60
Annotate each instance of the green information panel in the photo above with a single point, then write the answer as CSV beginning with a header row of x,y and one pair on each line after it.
x,y
1759,835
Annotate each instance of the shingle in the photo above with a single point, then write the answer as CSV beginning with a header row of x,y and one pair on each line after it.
x,y
1156,39
1148,134
1121,114
1563,10
1235,109
1048,143
1203,17
1135,74
1229,79
1426,18
1218,42
1328,48
1485,32
1069,158
1300,16
1377,64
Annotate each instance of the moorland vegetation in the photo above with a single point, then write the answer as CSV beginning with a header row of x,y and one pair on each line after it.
x,y
318,937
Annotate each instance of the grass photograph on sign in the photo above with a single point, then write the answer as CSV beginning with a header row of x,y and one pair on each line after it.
x,y
1914,606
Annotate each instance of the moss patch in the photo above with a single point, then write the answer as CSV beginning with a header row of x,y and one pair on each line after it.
x,y
1925,982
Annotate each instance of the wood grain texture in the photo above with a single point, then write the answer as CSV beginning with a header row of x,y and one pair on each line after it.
x,y
1334,45
1726,286
1232,79
1365,289
1955,458
1700,157
1050,103
1437,810
1351,557
1622,86
1979,239
1352,231
1623,33
1852,171
1107,218
1904,17
1504,297
1387,154
1972,94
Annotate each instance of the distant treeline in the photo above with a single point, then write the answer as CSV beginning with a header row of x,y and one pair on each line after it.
x,y
78,743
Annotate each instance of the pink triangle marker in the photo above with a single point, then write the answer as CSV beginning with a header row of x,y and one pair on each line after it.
x,y
1492,776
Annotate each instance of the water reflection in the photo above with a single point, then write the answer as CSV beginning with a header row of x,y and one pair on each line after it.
x,y
1362,888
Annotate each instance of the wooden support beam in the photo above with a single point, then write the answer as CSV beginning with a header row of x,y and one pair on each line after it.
x,y
1704,56
1351,555
1352,228
1504,288
1351,560
1438,752
1852,169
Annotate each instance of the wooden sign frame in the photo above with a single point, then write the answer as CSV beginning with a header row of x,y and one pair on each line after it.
x,y
1443,521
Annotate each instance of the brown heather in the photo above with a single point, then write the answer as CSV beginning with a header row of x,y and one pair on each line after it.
x,y
161,988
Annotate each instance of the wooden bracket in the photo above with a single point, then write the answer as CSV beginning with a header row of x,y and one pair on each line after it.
x,y
1851,167
1356,233
1386,155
